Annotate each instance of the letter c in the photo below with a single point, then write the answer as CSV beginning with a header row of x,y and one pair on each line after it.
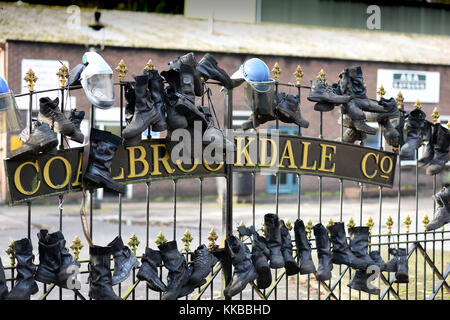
x,y
364,164
17,181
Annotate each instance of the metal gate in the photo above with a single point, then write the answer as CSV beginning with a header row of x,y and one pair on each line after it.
x,y
427,255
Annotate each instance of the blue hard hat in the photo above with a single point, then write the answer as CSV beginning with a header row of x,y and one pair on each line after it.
x,y
3,85
256,73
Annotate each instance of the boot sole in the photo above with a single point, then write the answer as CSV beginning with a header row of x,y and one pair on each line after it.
x,y
401,278
323,99
291,268
367,290
289,114
56,127
131,134
101,182
307,268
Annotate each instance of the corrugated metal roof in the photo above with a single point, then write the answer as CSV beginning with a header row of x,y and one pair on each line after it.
x,y
151,30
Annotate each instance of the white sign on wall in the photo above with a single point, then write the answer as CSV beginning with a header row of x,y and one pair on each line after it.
x,y
414,84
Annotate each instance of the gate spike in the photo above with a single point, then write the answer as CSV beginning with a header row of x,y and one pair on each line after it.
x,y
212,237
241,236
321,76
276,71
288,225
381,92
308,227
330,223
149,66
121,69
30,79
134,243
389,224
435,115
418,105
370,224
425,222
10,252
407,223
187,239
298,74
160,239
351,223
399,99
63,73
76,247
263,231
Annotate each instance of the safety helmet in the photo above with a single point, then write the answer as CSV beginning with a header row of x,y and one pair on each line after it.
x,y
3,86
97,80
8,109
255,72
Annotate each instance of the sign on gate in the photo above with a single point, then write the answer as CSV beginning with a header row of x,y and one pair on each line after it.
x,y
61,172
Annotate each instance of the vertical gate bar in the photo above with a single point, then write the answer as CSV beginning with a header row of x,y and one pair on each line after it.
x,y
361,195
320,189
201,211
175,209
380,200
341,201
147,227
417,220
119,287
253,209
434,233
29,219
299,190
60,198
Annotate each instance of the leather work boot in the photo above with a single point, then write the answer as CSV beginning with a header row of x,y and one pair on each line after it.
x,y
254,122
130,98
100,278
159,97
50,114
323,246
189,288
76,117
341,250
303,248
260,256
390,111
178,270
359,282
103,147
286,249
359,243
398,264
441,151
148,271
443,196
414,128
145,114
358,118
323,106
288,110
376,257
390,134
244,271
3,286
67,261
442,217
124,260
429,135
25,285
204,261
175,120
322,92
42,139
209,69
189,59
351,135
213,135
272,232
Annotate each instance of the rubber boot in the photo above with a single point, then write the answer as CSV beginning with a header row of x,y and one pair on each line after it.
x,y
25,285
49,258
359,282
100,278
429,135
359,243
42,139
130,98
76,117
443,196
148,271
3,286
287,109
341,250
303,248
203,262
50,114
376,257
390,134
323,246
209,69
189,59
178,271
441,151
322,92
159,97
442,217
286,249
414,128
145,113
124,260
273,237
103,147
244,271
399,265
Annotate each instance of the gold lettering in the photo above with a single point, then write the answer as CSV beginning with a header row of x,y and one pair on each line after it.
x,y
264,153
290,156
157,159
79,172
244,151
389,169
326,156
18,183
134,159
180,166
47,173
208,167
364,164
305,157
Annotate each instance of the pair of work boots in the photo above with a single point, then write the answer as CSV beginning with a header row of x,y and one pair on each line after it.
x,y
182,279
286,109
436,153
101,280
50,120
442,215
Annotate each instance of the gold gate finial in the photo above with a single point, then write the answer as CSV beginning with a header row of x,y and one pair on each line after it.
x,y
425,222
11,254
351,223
241,236
321,76
435,115
389,224
76,247
212,237
288,225
308,227
276,71
160,239
263,232
63,73
134,243
418,105
187,239
121,69
370,223
149,66
399,100
330,223
298,74
381,92
407,223
30,79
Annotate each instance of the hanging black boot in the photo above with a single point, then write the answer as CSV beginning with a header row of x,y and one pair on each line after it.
x,y
3,286
215,136
50,114
359,243
443,196
145,113
323,106
303,248
189,59
273,237
203,262
351,135
148,271
398,264
178,275
323,93
76,117
49,258
67,261
103,147
159,97
341,250
414,131
441,151
244,271
323,246
286,249
130,98
25,285
441,217
287,109
390,134
376,257
359,282
390,111
209,69
124,260
254,122
42,139
429,135
100,278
